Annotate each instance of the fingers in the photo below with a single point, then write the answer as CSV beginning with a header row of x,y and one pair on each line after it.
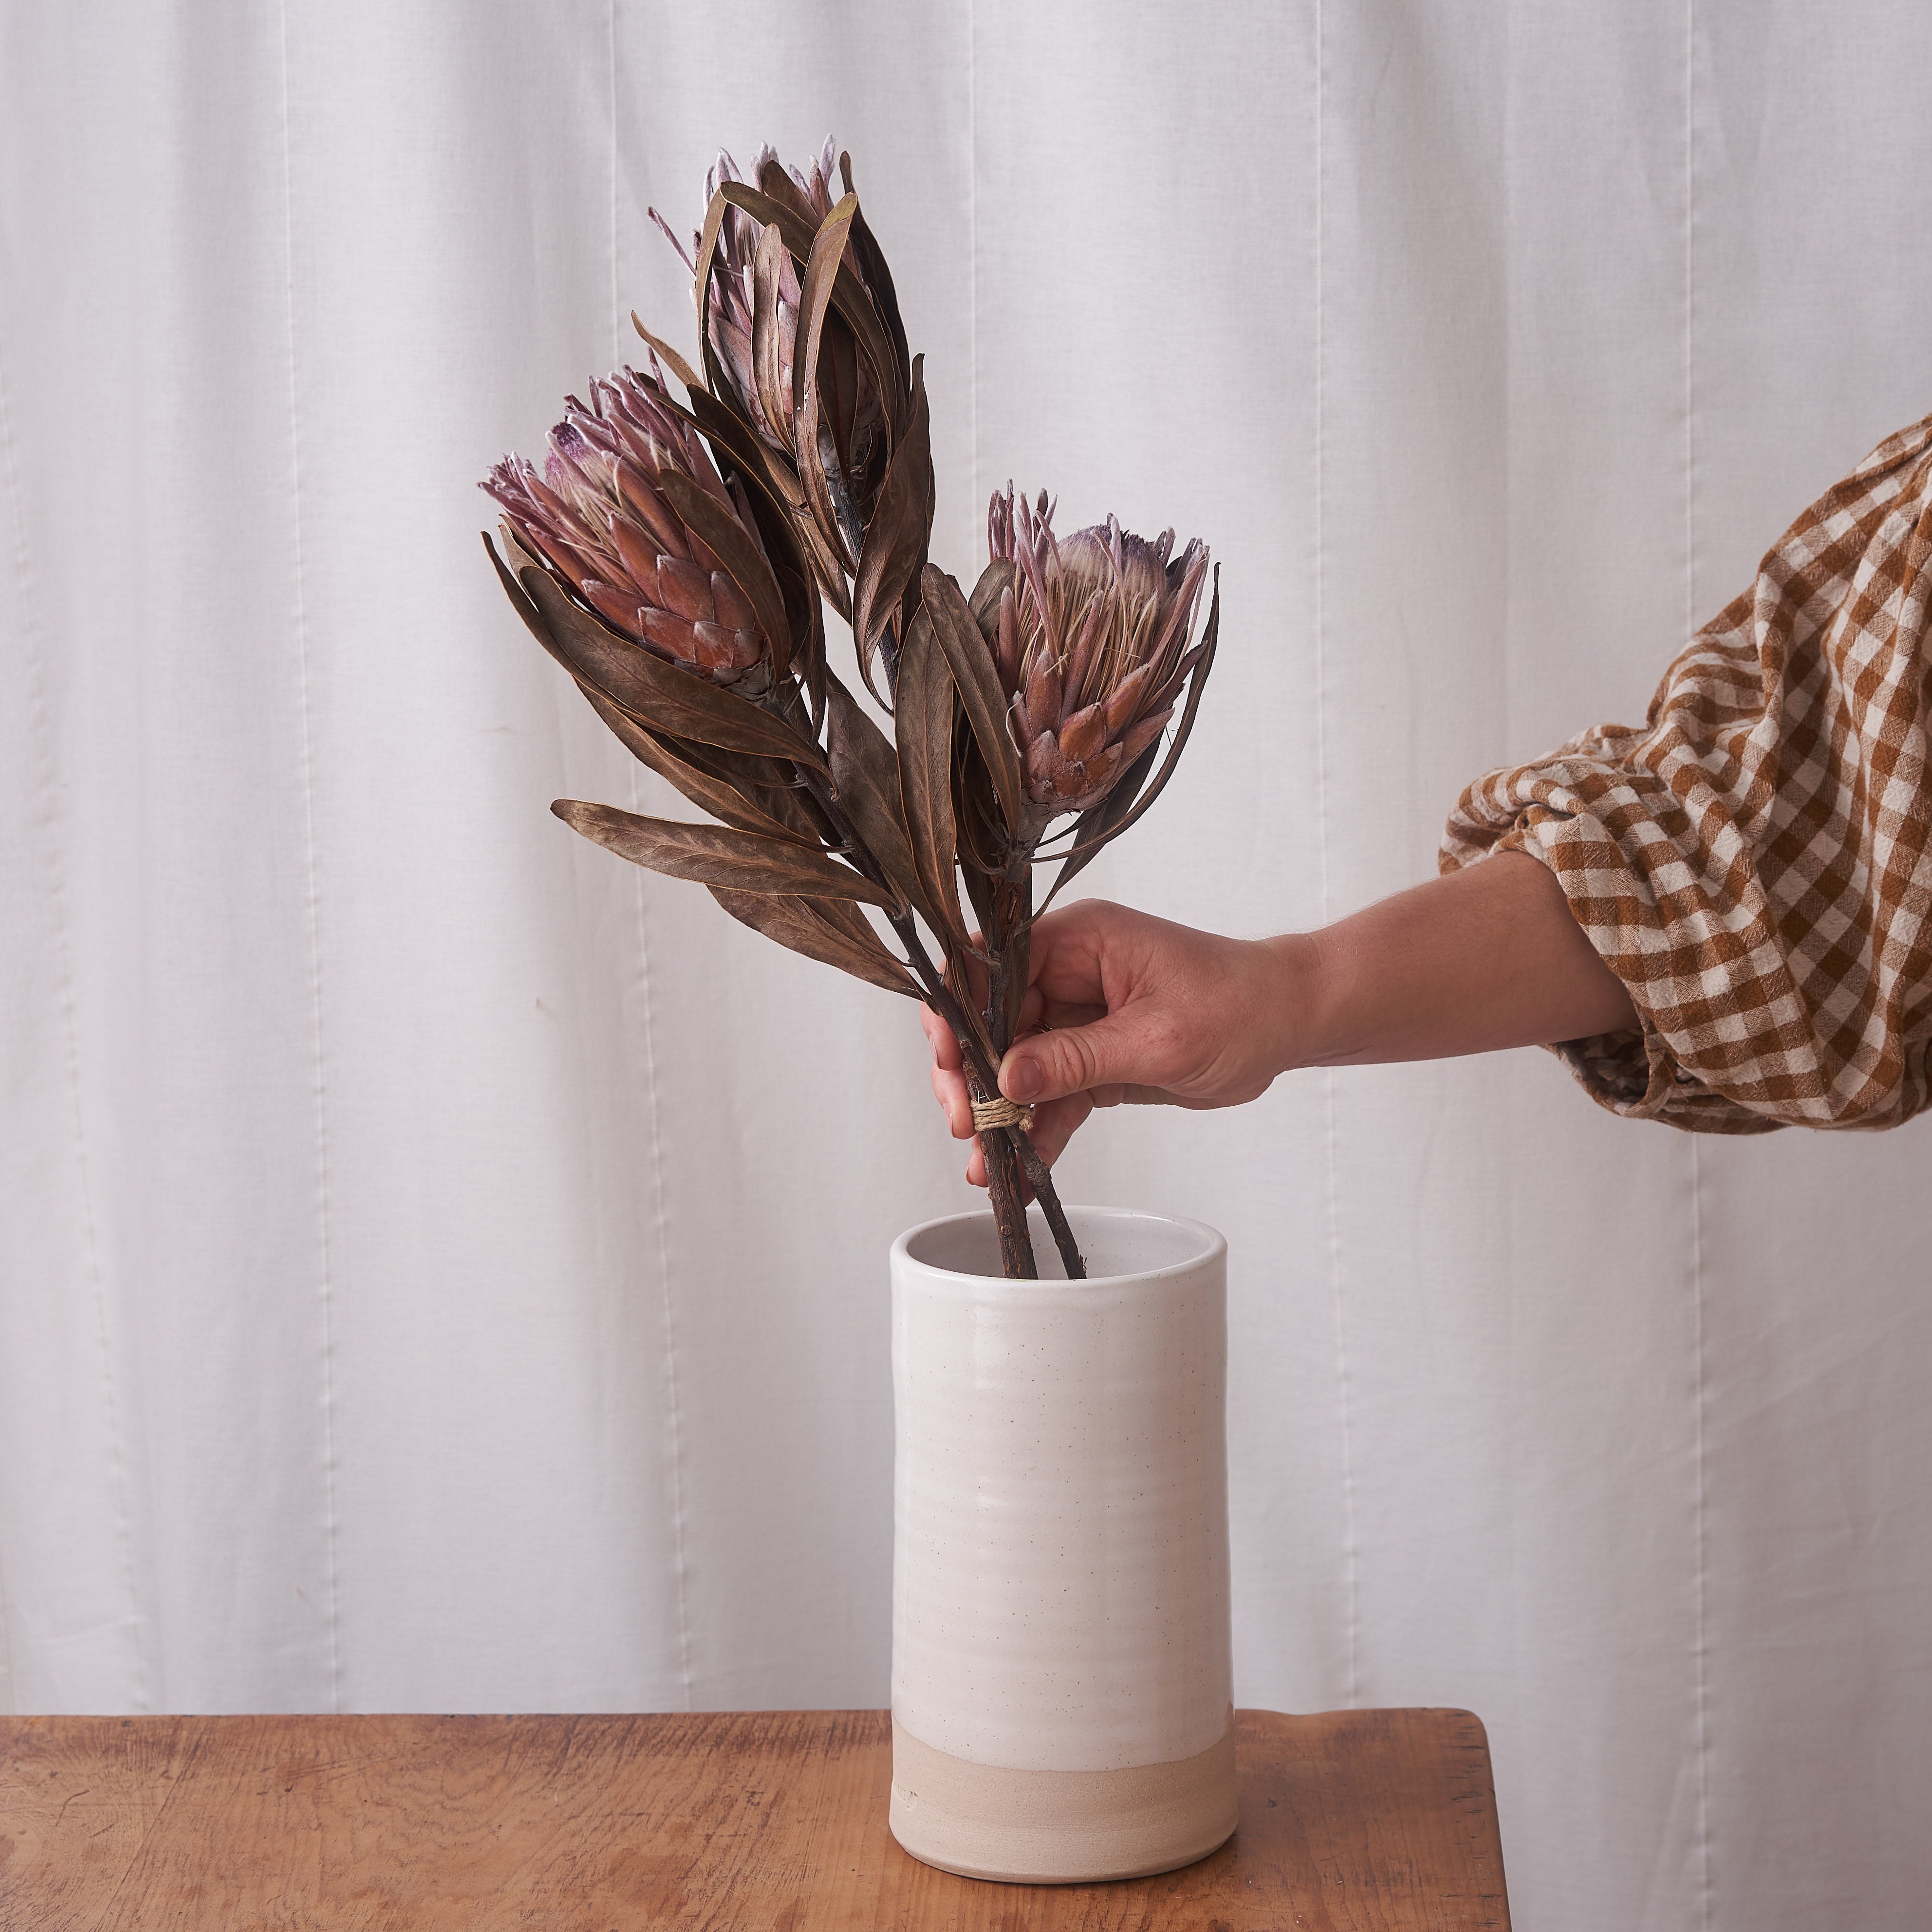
x,y
1085,959
945,1048
1050,1065
949,1089
949,1081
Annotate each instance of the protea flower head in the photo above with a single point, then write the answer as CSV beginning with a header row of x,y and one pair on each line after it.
x,y
853,426
597,514
1091,645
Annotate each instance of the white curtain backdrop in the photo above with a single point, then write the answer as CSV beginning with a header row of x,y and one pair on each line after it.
x,y
444,1267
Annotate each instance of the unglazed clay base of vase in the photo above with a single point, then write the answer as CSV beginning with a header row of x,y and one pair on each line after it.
x,y
1061,1677
1060,1827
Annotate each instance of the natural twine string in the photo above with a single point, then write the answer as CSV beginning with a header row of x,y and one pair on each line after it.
x,y
988,1116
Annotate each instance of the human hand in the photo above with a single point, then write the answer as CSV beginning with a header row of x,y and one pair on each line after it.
x,y
1137,1010
1124,1008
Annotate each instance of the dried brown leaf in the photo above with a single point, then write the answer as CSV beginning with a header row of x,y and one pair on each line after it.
x,y
979,896
721,797
734,439
971,665
801,925
788,801
897,535
716,855
922,723
985,601
877,276
982,839
701,290
513,588
865,771
774,179
815,288
668,356
844,916
817,490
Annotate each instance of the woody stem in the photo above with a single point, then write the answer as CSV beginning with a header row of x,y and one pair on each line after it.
x,y
1002,1147
1009,946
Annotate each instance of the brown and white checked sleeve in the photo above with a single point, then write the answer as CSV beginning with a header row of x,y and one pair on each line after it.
x,y
1752,862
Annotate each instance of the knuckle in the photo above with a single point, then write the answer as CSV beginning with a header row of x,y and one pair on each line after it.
x,y
1079,1049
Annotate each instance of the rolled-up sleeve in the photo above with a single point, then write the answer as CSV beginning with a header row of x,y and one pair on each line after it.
x,y
1752,862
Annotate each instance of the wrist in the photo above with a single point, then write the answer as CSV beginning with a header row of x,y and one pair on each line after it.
x,y
1297,1001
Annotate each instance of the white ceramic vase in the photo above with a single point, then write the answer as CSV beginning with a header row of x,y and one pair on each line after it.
x,y
1061,1680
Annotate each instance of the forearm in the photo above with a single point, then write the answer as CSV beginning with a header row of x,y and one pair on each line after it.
x,y
1488,957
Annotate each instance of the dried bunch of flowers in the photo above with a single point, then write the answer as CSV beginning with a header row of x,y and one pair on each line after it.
x,y
674,556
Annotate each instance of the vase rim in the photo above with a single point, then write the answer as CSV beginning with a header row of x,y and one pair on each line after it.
x,y
1212,1245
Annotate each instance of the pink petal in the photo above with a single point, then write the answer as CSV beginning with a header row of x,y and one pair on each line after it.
x,y
732,606
639,554
715,648
671,635
1084,734
1042,692
1009,649
1142,735
1126,696
619,607
685,588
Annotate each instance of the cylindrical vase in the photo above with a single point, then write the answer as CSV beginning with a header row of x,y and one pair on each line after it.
x,y
1062,1685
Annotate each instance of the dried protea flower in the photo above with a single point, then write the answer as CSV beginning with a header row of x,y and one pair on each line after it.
x,y
852,438
599,515
1091,645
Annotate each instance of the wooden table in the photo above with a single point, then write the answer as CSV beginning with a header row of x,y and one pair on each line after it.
x,y
743,1822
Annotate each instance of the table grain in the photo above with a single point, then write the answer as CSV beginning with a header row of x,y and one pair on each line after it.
x,y
1350,1821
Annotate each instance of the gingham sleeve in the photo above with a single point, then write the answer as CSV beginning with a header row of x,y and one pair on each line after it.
x,y
1752,861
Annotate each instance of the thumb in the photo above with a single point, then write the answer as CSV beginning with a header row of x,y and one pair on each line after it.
x,y
1049,1065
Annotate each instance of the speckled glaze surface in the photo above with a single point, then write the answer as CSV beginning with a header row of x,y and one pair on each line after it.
x,y
1061,1676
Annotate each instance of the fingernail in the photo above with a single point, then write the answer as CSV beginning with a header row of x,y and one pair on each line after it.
x,y
1019,1079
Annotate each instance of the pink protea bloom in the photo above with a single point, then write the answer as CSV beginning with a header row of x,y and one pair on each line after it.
x,y
854,423
596,515
1091,645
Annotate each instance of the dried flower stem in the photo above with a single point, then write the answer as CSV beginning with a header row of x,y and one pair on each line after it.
x,y
1017,1262
1009,948
1012,918
1003,1190
1008,1151
1041,1177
